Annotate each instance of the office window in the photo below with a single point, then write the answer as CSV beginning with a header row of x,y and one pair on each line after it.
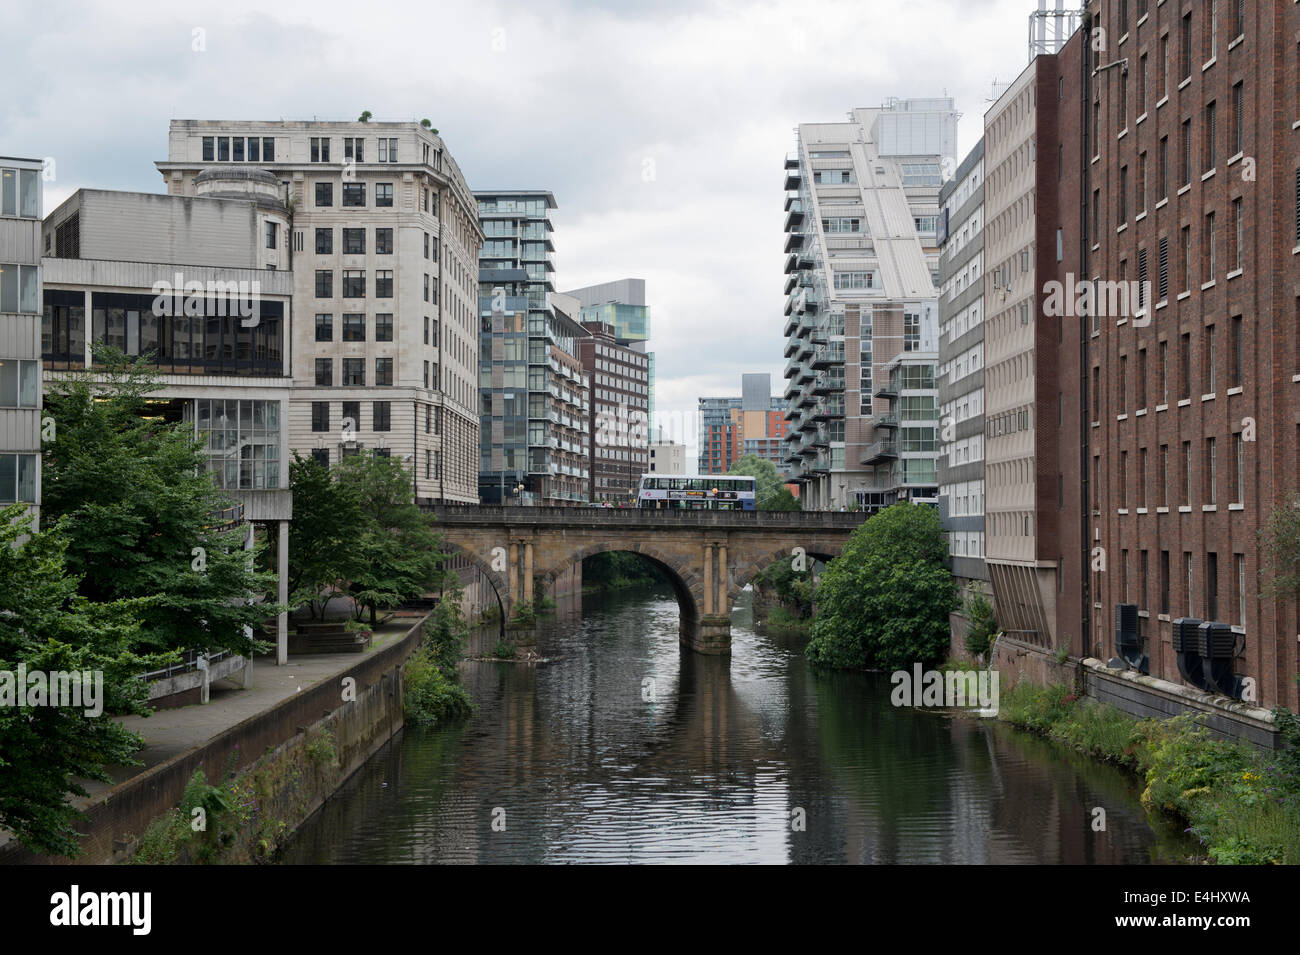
x,y
383,194
1144,279
383,241
1210,24
428,464
1237,236
209,149
1211,152
1210,360
383,371
354,148
320,149
1123,194
354,283
384,283
324,372
381,416
238,153
1123,383
354,241
1163,277
354,372
1185,360
1191,583
324,241
1211,586
324,193
437,421
1209,248
324,328
254,149
1162,66
270,234
1187,472
1240,561
1162,483
1185,64
1211,473
354,327
387,150
1142,378
321,456
1186,153
426,235
384,327
1163,170
426,329
223,149
20,384
324,283
18,478
426,374
1238,119
1164,582
320,415
1140,199
354,193
428,419
1123,480
1234,357
268,149
1142,478
1239,471
351,417
1187,257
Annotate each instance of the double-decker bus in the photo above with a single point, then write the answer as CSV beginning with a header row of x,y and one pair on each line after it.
x,y
696,492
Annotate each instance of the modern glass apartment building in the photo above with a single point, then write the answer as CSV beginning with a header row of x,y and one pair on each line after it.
x,y
862,266
533,399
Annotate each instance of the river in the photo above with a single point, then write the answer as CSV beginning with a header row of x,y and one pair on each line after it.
x,y
626,748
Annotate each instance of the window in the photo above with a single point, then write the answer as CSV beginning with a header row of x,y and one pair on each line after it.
x,y
223,149
383,241
354,372
20,383
1211,153
1210,24
268,149
254,152
1187,257
1209,360
1238,119
1186,158
324,372
1211,473
324,328
1163,66
1164,269
383,371
426,373
426,240
1162,483
354,241
18,478
1163,171
1142,85
384,327
387,150
354,283
1211,586
1142,478
1164,582
1209,272
324,193
270,235
1123,194
320,149
1142,378
381,416
383,194
324,283
1140,203
354,148
1185,360
321,456
1185,64
1164,373
351,418
1237,235
324,241
1187,472
1240,561
354,327
426,329
17,288
354,193
384,283
1239,471
320,415
911,332
1191,583
1234,356
209,149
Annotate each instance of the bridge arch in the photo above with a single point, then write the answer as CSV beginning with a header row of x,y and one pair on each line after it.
x,y
497,579
677,571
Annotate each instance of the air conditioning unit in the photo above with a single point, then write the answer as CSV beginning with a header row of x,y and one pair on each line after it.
x,y
1187,648
1218,648
1128,643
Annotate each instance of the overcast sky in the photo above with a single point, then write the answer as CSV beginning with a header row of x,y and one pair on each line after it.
x,y
661,128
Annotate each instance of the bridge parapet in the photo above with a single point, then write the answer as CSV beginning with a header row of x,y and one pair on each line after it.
x,y
645,517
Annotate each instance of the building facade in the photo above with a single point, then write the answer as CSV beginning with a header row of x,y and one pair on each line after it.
x,y
20,333
382,240
730,428
622,306
1191,190
534,444
667,457
862,266
183,281
619,383
961,368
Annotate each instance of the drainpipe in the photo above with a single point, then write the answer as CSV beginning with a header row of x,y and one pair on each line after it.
x,y
1084,428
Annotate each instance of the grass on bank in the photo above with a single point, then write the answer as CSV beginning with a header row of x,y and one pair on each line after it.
x,y
1243,804
433,695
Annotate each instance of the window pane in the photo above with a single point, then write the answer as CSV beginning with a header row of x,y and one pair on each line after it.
x,y
30,192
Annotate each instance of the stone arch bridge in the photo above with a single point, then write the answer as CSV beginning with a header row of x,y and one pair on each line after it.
x,y
708,556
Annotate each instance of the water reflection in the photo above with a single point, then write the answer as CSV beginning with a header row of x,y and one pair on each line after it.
x,y
583,760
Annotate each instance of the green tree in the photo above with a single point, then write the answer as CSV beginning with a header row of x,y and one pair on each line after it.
x,y
983,624
770,492
142,513
397,555
1281,539
47,626
884,602
327,525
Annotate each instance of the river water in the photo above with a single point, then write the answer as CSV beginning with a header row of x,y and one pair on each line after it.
x,y
626,748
